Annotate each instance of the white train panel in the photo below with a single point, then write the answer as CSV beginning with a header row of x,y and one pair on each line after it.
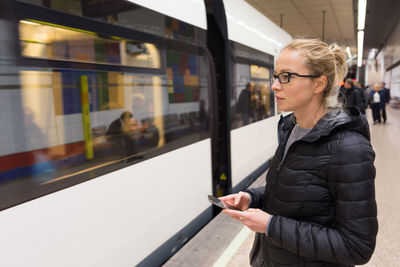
x,y
101,222
249,27
252,146
395,82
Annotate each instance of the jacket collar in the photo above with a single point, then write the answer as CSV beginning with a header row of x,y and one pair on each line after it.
x,y
335,119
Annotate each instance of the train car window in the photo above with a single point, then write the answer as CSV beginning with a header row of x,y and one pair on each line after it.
x,y
251,95
68,124
41,40
121,12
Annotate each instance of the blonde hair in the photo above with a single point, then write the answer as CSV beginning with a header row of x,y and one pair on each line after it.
x,y
323,60
378,86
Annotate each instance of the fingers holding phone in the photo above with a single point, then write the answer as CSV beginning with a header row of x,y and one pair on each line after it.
x,y
255,219
239,200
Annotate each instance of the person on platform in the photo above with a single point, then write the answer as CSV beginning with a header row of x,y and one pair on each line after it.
x,y
386,91
378,102
318,206
350,95
244,104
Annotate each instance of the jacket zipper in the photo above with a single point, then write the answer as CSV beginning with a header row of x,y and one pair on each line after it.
x,y
278,169
268,258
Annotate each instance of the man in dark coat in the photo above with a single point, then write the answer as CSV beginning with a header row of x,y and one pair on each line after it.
x,y
386,91
349,95
244,104
364,98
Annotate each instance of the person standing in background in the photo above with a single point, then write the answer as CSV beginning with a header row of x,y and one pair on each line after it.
x,y
378,100
349,95
386,91
364,96
244,103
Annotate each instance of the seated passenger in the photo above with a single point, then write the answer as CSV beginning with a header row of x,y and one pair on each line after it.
x,y
121,134
150,132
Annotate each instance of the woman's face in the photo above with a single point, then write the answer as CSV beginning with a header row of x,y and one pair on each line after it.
x,y
299,92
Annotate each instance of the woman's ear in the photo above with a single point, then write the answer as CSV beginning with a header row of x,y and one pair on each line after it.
x,y
320,84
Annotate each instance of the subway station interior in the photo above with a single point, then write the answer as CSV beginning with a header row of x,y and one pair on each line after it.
x,y
199,133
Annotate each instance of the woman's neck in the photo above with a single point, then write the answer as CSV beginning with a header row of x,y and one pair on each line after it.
x,y
308,118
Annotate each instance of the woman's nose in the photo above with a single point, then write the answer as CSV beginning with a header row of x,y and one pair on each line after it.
x,y
276,85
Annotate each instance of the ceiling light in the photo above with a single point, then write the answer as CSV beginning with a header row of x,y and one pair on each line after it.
x,y
362,9
360,45
372,53
348,51
350,59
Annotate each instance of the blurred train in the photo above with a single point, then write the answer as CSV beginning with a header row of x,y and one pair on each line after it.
x,y
118,118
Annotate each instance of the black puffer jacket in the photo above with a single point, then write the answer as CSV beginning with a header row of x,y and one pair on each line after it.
x,y
322,196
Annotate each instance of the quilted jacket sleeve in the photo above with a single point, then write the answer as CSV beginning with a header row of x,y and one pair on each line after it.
x,y
350,238
257,196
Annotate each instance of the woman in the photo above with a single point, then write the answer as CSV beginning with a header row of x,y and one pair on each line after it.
x,y
318,206
378,100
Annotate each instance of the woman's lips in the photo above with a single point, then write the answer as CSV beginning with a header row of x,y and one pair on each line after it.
x,y
279,99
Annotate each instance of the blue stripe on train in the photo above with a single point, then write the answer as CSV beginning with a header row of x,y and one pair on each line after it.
x,y
40,168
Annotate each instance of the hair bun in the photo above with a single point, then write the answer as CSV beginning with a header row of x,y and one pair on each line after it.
x,y
340,61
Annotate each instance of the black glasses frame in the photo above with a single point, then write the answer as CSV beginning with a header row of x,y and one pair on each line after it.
x,y
277,76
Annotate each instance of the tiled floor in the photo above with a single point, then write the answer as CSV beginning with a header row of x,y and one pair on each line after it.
x,y
386,143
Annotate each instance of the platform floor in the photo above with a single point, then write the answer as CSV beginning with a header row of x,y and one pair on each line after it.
x,y
225,242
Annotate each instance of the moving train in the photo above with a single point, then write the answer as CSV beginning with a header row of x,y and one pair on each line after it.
x,y
118,118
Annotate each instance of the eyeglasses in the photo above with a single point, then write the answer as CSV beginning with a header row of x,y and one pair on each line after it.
x,y
284,77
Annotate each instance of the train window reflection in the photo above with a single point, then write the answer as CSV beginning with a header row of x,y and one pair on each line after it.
x,y
259,72
64,123
49,41
253,98
74,119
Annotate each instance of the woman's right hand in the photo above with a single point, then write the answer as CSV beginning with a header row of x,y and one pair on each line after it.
x,y
240,200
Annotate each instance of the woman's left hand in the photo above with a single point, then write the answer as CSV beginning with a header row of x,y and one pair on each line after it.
x,y
255,219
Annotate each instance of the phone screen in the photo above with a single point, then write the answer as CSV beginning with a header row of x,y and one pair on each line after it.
x,y
216,201
221,204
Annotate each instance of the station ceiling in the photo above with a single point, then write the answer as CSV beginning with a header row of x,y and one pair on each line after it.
x,y
304,19
382,18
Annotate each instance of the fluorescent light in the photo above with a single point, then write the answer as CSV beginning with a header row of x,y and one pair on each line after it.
x,y
351,59
360,45
29,22
372,53
362,10
348,51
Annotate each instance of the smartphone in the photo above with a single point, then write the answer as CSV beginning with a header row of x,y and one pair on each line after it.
x,y
215,201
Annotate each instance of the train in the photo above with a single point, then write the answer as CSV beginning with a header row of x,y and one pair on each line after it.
x,y
118,118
